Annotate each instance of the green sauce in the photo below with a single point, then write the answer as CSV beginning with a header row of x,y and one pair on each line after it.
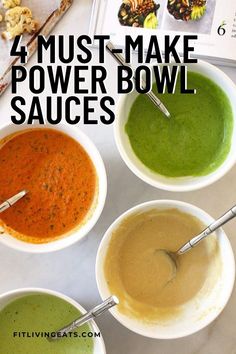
x,y
196,139
40,313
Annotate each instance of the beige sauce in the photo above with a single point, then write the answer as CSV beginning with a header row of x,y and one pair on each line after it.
x,y
139,275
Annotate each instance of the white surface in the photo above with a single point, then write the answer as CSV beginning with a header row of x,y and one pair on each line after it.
x,y
72,272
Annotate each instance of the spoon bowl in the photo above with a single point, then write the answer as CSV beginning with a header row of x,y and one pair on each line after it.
x,y
173,256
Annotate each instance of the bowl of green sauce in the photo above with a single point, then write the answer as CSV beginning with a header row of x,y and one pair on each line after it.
x,y
192,149
28,317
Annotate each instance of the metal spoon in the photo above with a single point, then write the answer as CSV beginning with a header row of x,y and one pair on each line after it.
x,y
11,201
173,256
91,315
120,59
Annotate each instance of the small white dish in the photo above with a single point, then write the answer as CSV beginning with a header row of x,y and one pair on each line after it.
x,y
180,184
7,298
78,233
195,314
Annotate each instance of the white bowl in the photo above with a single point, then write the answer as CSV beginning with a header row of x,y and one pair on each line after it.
x,y
179,184
197,313
7,298
76,234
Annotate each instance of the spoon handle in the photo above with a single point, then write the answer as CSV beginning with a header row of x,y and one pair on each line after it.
x,y
230,214
11,201
91,315
121,60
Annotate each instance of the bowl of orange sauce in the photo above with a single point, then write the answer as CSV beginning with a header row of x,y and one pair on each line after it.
x,y
65,177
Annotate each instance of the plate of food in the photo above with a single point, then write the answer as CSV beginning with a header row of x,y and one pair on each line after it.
x,y
187,10
139,13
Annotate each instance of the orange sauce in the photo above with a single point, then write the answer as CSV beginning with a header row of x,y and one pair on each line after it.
x,y
61,180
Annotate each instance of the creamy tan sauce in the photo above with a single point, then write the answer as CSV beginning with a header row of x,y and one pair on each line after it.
x,y
140,275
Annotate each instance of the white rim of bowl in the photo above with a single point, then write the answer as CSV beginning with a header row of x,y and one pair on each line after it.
x,y
24,291
166,186
58,244
173,203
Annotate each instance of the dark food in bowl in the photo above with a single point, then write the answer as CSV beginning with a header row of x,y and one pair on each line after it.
x,y
187,10
134,13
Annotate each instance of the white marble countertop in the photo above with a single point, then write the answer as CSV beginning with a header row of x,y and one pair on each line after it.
x,y
71,271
